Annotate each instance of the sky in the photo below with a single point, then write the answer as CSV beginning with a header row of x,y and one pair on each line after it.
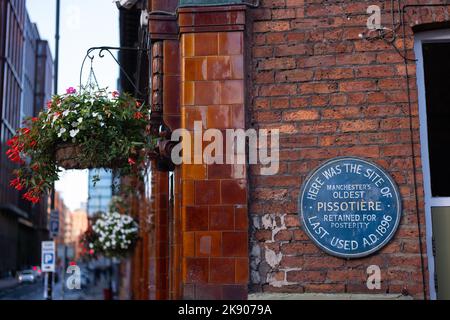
x,y
84,24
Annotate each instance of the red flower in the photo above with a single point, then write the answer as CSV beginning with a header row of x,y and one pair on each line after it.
x,y
12,141
115,94
14,155
34,119
131,161
16,184
35,167
138,115
138,104
31,196
33,143
49,105
26,130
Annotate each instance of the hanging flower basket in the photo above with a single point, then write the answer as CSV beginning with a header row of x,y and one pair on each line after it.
x,y
66,156
114,235
77,131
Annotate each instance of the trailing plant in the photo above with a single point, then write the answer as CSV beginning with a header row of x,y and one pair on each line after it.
x,y
114,234
97,129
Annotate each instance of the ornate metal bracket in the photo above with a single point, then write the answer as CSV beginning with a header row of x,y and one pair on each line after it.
x,y
101,54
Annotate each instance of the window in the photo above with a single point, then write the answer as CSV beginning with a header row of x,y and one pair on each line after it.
x,y
436,58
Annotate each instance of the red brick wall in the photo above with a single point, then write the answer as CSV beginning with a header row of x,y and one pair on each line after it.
x,y
331,94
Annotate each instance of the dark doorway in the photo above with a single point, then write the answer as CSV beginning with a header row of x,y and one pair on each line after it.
x,y
436,58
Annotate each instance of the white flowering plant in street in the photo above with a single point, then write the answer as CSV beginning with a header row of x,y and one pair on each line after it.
x,y
98,129
114,234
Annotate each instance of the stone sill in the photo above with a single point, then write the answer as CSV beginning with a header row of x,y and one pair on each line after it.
x,y
189,3
326,296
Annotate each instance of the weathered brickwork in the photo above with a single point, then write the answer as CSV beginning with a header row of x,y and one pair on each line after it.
x,y
332,93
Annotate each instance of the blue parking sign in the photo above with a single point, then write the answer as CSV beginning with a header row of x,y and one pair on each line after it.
x,y
48,256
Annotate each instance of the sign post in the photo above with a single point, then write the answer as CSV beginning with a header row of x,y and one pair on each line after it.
x,y
54,223
350,207
48,258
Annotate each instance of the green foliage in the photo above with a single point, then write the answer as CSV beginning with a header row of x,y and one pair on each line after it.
x,y
110,129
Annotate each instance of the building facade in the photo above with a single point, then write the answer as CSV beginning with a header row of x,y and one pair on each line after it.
x,y
99,192
26,76
359,79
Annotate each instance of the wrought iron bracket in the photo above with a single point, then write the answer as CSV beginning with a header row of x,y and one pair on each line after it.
x,y
109,50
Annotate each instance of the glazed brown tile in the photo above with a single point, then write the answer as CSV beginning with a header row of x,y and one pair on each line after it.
x,y
208,244
195,69
237,117
242,267
171,97
188,44
162,233
205,44
186,19
208,292
207,92
237,67
171,58
232,92
221,218
220,171
219,68
214,151
188,93
196,270
192,152
189,244
231,43
239,171
219,117
189,291
207,192
196,218
234,192
222,270
192,114
194,172
241,218
188,192
234,292
212,18
172,121
235,244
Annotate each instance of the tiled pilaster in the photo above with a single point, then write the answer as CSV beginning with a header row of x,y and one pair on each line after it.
x,y
214,197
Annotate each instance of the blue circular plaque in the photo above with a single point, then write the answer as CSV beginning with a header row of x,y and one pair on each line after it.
x,y
350,207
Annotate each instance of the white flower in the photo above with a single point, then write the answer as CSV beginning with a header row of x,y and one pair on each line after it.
x,y
94,114
102,124
65,113
126,219
99,117
61,131
80,120
74,132
74,124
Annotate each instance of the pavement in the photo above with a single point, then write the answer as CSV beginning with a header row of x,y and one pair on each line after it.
x,y
6,283
11,289
325,296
